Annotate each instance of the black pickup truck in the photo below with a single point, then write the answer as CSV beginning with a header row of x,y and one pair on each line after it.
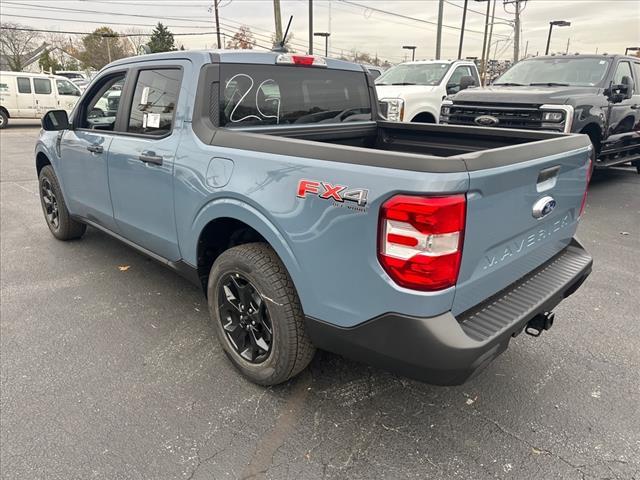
x,y
598,95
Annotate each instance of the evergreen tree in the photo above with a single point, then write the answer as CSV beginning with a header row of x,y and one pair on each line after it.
x,y
161,40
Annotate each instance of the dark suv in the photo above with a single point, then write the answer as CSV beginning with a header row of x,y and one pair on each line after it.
x,y
598,95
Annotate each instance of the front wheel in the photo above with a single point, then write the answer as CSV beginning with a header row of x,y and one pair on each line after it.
x,y
257,314
4,119
60,223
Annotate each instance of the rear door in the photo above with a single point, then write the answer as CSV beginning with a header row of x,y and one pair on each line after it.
x,y
142,156
518,217
44,96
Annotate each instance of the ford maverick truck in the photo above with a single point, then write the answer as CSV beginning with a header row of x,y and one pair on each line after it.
x,y
270,182
597,95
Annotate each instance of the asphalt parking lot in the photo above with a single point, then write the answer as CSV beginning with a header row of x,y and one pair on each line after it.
x,y
109,370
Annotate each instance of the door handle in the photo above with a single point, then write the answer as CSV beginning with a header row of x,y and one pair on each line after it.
x,y
95,148
635,107
150,157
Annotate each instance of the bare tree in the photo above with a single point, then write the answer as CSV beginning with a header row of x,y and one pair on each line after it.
x,y
17,44
136,37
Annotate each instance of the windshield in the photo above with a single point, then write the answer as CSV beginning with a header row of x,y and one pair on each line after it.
x,y
255,95
414,74
577,72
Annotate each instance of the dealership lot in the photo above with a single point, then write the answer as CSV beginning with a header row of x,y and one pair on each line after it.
x,y
110,370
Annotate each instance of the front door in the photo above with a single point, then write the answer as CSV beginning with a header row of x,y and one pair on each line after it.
x,y
141,159
24,98
623,116
84,152
68,94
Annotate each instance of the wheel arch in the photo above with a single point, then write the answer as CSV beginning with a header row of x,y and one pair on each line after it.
x,y
6,112
42,160
226,223
594,131
424,117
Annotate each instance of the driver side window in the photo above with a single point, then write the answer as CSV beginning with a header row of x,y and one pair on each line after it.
x,y
101,109
453,85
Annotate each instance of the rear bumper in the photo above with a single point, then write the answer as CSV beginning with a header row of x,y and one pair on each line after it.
x,y
446,350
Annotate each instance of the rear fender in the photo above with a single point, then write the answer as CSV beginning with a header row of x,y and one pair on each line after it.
x,y
250,215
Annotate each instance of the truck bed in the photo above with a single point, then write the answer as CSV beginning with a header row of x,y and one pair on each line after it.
x,y
424,147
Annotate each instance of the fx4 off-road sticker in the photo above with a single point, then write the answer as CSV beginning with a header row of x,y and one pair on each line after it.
x,y
352,198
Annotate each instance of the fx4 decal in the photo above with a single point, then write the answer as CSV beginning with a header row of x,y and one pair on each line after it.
x,y
338,193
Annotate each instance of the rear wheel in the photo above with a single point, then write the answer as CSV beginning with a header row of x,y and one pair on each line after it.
x,y
4,119
60,223
257,314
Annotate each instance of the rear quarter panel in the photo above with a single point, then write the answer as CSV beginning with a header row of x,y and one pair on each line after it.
x,y
329,248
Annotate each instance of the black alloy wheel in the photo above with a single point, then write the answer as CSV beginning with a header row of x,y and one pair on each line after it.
x,y
245,318
50,204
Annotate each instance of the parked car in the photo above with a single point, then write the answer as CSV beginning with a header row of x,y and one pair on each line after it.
x,y
374,70
413,91
79,79
31,95
598,95
267,180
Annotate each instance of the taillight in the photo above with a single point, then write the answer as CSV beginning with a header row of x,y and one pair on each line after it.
x,y
586,188
420,240
302,60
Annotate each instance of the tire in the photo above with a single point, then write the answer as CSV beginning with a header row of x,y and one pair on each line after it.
x,y
4,119
276,315
60,223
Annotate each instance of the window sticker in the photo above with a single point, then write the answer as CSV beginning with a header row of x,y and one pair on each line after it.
x,y
144,120
145,96
153,120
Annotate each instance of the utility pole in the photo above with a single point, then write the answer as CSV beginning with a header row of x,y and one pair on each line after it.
x,y
484,41
215,10
516,34
439,35
464,19
568,40
493,17
278,19
310,27
526,49
329,27
516,28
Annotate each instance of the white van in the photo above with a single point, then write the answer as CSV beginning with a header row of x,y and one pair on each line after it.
x,y
31,95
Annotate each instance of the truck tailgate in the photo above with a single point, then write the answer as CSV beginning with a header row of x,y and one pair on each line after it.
x,y
504,238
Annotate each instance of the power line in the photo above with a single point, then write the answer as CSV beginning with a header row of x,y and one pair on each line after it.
x,y
475,11
406,17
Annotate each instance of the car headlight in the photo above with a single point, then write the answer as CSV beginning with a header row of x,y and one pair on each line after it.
x,y
552,116
395,109
445,110
557,117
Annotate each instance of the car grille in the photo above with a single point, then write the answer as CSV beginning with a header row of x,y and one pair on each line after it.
x,y
508,117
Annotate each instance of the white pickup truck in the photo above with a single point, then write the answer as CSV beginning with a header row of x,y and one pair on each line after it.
x,y
413,91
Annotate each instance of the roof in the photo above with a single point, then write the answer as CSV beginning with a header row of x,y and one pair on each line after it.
x,y
227,56
427,62
9,73
600,56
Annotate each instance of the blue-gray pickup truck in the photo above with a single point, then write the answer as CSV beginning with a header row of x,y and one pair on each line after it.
x,y
270,181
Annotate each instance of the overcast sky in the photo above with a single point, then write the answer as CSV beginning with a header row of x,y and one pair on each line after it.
x,y
606,25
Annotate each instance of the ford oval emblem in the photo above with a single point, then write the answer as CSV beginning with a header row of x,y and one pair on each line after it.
x,y
543,207
486,121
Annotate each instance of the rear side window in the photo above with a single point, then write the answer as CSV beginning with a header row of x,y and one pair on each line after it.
x,y
24,85
636,67
286,95
154,101
42,86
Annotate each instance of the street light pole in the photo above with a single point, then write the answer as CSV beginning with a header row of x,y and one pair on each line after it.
x,y
559,23
413,50
326,41
310,27
439,35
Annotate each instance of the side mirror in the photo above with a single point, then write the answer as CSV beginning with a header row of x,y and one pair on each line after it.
x,y
466,82
628,84
55,120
